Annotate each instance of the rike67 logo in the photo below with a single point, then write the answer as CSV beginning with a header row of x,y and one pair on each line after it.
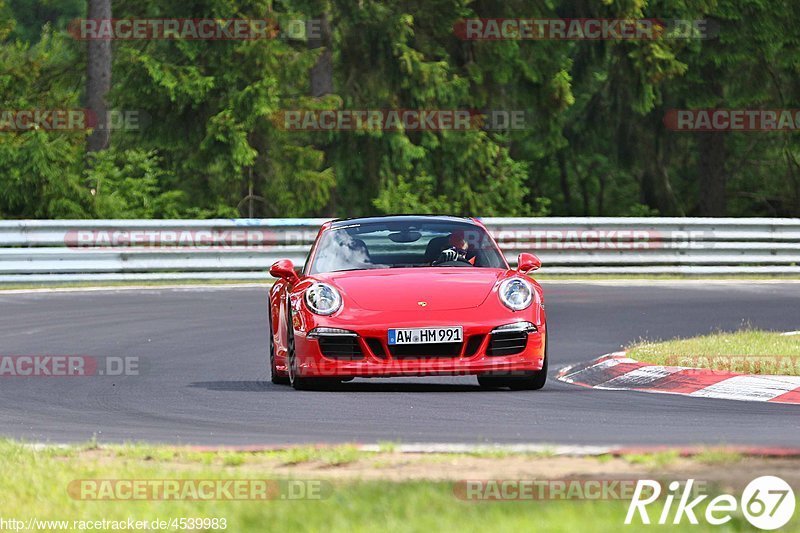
x,y
767,502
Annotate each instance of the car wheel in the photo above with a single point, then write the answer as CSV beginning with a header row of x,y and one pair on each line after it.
x,y
276,377
533,381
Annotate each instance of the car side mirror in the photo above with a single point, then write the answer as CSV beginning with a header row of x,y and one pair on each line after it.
x,y
283,269
528,263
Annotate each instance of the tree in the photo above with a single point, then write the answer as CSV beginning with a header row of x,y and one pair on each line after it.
x,y
211,139
98,79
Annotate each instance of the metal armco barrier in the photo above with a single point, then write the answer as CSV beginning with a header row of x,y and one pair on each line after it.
x,y
33,251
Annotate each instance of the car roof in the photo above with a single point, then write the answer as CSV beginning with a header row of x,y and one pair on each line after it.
x,y
388,219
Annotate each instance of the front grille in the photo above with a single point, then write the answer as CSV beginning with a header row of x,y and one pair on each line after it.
x,y
377,347
334,347
510,343
411,351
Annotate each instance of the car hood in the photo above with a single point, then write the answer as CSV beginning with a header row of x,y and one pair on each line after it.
x,y
440,288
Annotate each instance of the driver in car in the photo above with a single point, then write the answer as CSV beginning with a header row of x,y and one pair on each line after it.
x,y
458,250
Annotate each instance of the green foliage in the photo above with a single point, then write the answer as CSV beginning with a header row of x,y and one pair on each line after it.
x,y
31,16
40,172
593,141
128,185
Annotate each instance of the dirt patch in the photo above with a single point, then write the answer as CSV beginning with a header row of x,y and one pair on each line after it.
x,y
404,467
732,472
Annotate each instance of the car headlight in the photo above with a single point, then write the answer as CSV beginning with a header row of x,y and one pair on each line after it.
x,y
516,294
323,299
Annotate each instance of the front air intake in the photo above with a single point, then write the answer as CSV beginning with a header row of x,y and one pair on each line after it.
x,y
339,347
507,343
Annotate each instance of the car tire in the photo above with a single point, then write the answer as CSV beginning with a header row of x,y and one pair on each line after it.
x,y
533,381
492,382
275,376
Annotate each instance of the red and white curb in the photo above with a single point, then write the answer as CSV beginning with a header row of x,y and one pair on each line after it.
x,y
616,371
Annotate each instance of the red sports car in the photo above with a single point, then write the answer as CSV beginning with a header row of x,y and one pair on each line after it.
x,y
407,296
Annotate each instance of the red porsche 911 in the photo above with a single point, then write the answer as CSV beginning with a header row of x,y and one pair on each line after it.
x,y
407,296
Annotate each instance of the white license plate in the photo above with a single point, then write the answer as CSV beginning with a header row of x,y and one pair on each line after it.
x,y
425,335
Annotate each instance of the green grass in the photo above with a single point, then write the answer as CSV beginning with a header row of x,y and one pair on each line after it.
x,y
501,453
387,446
325,455
332,456
749,351
34,484
718,457
653,461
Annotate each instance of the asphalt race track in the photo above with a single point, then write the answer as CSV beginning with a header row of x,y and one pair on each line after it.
x,y
204,376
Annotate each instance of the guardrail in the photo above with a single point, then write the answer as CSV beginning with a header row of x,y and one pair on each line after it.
x,y
34,251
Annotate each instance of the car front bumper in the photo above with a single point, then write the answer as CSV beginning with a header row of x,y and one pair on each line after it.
x,y
371,360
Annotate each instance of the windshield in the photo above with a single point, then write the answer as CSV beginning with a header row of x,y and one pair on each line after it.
x,y
374,245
